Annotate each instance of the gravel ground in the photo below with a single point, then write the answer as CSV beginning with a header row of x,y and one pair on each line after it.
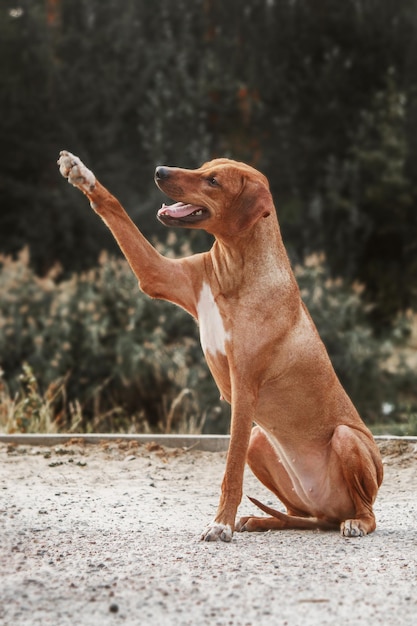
x,y
109,534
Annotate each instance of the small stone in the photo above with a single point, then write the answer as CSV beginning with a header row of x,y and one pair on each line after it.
x,y
114,608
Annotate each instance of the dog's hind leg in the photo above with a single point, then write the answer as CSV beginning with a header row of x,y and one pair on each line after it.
x,y
354,473
362,471
264,463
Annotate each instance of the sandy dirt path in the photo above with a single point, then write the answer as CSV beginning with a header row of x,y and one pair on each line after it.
x,y
109,534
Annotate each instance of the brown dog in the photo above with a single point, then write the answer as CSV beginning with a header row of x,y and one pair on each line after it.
x,y
309,445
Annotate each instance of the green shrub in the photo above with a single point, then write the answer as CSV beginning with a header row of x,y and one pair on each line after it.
x,y
29,410
125,358
358,355
102,356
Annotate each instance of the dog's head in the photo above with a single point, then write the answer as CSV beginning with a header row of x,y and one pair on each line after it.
x,y
223,197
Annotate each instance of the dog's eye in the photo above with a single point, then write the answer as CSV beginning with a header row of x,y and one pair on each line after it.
x,y
213,181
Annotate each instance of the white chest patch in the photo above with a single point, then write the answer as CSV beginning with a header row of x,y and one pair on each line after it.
x,y
213,335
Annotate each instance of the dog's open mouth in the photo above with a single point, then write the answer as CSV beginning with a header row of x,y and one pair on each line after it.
x,y
181,214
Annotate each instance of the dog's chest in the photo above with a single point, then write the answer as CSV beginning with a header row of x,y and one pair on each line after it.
x,y
213,335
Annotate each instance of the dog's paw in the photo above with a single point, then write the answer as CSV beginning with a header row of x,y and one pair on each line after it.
x,y
352,528
244,524
216,531
77,173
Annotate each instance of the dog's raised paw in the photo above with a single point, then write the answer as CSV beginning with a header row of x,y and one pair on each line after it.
x,y
216,531
78,174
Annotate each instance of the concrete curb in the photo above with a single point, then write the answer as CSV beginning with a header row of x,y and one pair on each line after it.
x,y
209,443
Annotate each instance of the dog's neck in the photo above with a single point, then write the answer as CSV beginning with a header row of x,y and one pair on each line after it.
x,y
257,254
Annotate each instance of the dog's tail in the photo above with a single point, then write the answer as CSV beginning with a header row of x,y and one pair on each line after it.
x,y
296,522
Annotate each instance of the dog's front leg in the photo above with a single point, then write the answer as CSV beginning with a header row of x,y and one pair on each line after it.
x,y
158,276
231,494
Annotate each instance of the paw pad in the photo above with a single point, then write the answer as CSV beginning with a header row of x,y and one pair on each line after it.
x,y
77,173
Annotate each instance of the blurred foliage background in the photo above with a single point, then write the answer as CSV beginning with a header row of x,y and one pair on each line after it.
x,y
321,96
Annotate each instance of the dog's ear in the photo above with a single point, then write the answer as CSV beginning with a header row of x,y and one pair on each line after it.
x,y
253,203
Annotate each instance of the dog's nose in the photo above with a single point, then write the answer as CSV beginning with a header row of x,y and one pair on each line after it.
x,y
161,172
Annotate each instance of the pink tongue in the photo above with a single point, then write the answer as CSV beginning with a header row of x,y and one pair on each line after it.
x,y
177,210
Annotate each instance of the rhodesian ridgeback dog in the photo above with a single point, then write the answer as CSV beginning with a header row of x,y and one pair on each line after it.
x,y
291,419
